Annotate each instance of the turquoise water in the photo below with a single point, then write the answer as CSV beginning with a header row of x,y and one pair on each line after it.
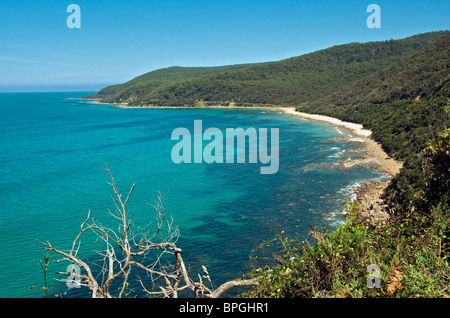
x,y
53,150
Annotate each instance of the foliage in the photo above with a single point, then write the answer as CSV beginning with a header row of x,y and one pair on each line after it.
x,y
412,254
143,84
412,250
405,105
44,265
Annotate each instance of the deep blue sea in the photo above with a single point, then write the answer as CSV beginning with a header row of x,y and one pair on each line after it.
x,y
53,150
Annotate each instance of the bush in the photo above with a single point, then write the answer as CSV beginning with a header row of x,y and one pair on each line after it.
x,y
412,254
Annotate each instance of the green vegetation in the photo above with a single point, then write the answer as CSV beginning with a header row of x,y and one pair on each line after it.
x,y
143,85
287,82
400,90
406,106
44,265
412,254
412,251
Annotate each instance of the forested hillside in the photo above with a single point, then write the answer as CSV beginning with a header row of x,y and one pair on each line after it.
x,y
287,82
406,105
144,85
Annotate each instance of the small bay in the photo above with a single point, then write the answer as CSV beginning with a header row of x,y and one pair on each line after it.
x,y
53,150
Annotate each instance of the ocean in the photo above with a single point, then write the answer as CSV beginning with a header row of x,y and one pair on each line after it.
x,y
53,151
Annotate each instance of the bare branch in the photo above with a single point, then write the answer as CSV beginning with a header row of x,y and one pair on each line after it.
x,y
234,283
125,251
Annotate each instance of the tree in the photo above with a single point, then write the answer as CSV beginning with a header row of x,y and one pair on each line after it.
x,y
126,251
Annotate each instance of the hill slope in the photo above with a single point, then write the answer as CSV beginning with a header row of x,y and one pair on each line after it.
x,y
141,86
287,82
405,105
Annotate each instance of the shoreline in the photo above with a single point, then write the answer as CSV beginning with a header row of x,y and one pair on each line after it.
x,y
356,129
126,106
372,148
368,195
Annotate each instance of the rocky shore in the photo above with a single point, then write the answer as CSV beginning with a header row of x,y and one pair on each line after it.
x,y
370,204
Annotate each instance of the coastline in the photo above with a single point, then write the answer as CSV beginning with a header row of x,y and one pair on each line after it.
x,y
372,149
369,195
125,105
356,129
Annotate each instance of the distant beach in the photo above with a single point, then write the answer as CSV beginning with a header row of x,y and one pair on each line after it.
x,y
369,195
357,129
371,147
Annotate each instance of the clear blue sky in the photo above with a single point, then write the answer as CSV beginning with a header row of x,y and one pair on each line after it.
x,y
119,40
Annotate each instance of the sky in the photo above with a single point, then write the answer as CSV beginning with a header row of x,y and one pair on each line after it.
x,y
119,40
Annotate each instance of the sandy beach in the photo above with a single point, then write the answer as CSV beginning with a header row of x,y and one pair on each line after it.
x,y
369,195
356,129
373,150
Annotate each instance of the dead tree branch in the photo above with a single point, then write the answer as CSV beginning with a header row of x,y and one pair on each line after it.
x,y
126,251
